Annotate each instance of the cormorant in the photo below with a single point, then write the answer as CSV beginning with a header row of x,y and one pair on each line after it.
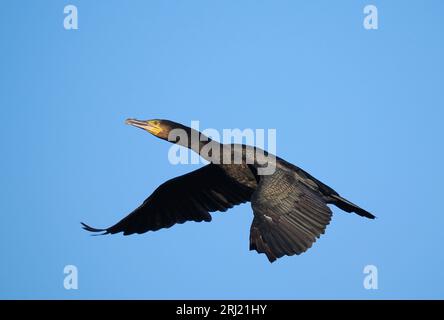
x,y
289,206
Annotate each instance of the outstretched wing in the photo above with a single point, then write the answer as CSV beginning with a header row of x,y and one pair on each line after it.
x,y
288,215
190,197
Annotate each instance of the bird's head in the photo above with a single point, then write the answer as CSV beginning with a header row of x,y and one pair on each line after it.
x,y
157,127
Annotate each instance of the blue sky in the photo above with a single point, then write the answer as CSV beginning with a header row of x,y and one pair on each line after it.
x,y
360,110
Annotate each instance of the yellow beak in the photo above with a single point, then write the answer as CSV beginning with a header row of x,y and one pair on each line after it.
x,y
146,125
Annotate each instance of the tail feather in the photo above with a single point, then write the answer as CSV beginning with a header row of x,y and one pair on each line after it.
x,y
348,206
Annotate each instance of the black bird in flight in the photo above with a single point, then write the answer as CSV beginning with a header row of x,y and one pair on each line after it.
x,y
289,206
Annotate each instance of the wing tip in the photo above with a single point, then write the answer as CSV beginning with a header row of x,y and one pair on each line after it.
x,y
91,229
271,258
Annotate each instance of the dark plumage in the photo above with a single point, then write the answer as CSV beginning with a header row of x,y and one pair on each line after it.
x,y
290,206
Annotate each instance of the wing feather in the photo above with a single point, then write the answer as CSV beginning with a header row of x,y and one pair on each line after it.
x,y
190,197
288,215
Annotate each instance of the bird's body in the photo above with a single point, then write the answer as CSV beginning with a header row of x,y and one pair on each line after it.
x,y
289,205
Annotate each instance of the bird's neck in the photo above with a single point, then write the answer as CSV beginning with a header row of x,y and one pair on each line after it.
x,y
193,139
